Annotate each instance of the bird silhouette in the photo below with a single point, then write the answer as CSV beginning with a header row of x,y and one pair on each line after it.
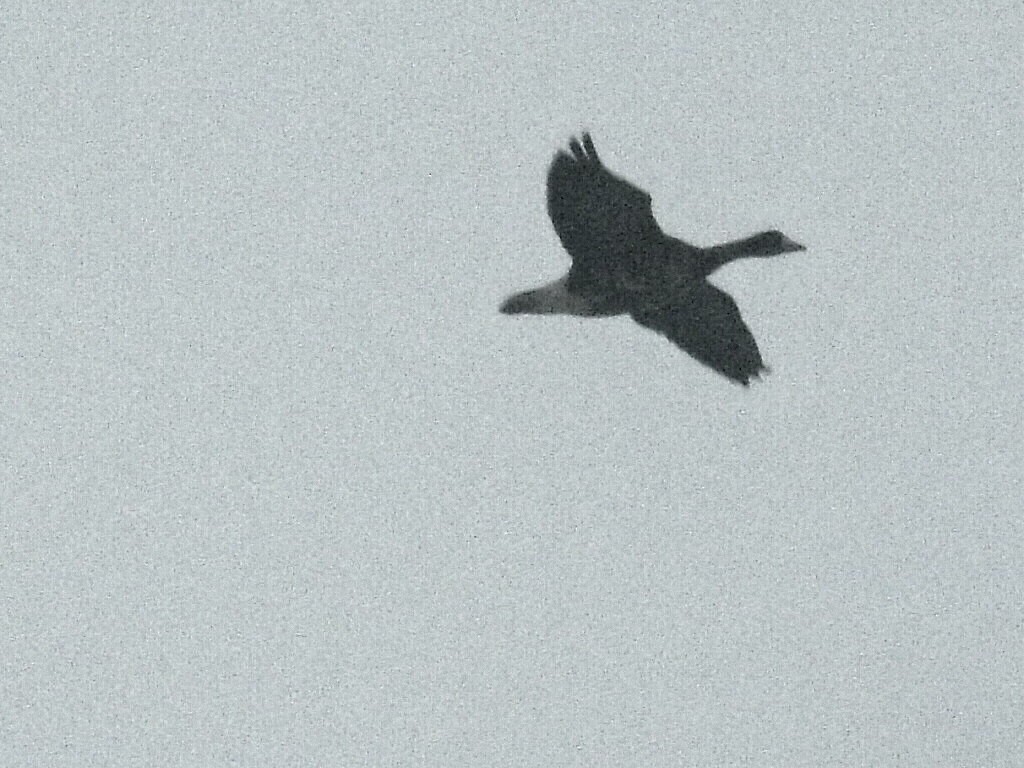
x,y
622,263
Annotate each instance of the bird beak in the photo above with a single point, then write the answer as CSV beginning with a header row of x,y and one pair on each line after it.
x,y
789,246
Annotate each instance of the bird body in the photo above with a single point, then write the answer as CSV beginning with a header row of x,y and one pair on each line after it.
x,y
622,263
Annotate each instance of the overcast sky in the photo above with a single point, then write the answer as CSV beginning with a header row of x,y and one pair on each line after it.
x,y
279,485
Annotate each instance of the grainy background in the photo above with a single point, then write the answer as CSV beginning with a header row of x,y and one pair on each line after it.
x,y
280,487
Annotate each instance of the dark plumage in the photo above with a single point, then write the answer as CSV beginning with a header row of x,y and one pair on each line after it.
x,y
622,263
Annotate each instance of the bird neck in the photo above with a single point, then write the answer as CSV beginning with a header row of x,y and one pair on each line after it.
x,y
719,255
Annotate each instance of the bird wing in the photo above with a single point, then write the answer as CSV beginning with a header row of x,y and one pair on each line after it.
x,y
706,323
602,220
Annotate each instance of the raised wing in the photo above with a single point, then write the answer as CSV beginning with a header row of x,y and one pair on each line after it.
x,y
706,323
601,219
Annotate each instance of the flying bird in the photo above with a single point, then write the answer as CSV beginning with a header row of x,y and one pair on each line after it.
x,y
622,263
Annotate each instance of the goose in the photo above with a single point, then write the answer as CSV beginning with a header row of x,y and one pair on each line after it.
x,y
622,263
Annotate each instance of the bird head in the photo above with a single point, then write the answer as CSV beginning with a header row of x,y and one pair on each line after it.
x,y
771,243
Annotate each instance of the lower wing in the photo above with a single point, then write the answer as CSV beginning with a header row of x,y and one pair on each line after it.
x,y
706,323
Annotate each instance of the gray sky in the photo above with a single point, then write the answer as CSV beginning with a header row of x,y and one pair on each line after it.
x,y
281,487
